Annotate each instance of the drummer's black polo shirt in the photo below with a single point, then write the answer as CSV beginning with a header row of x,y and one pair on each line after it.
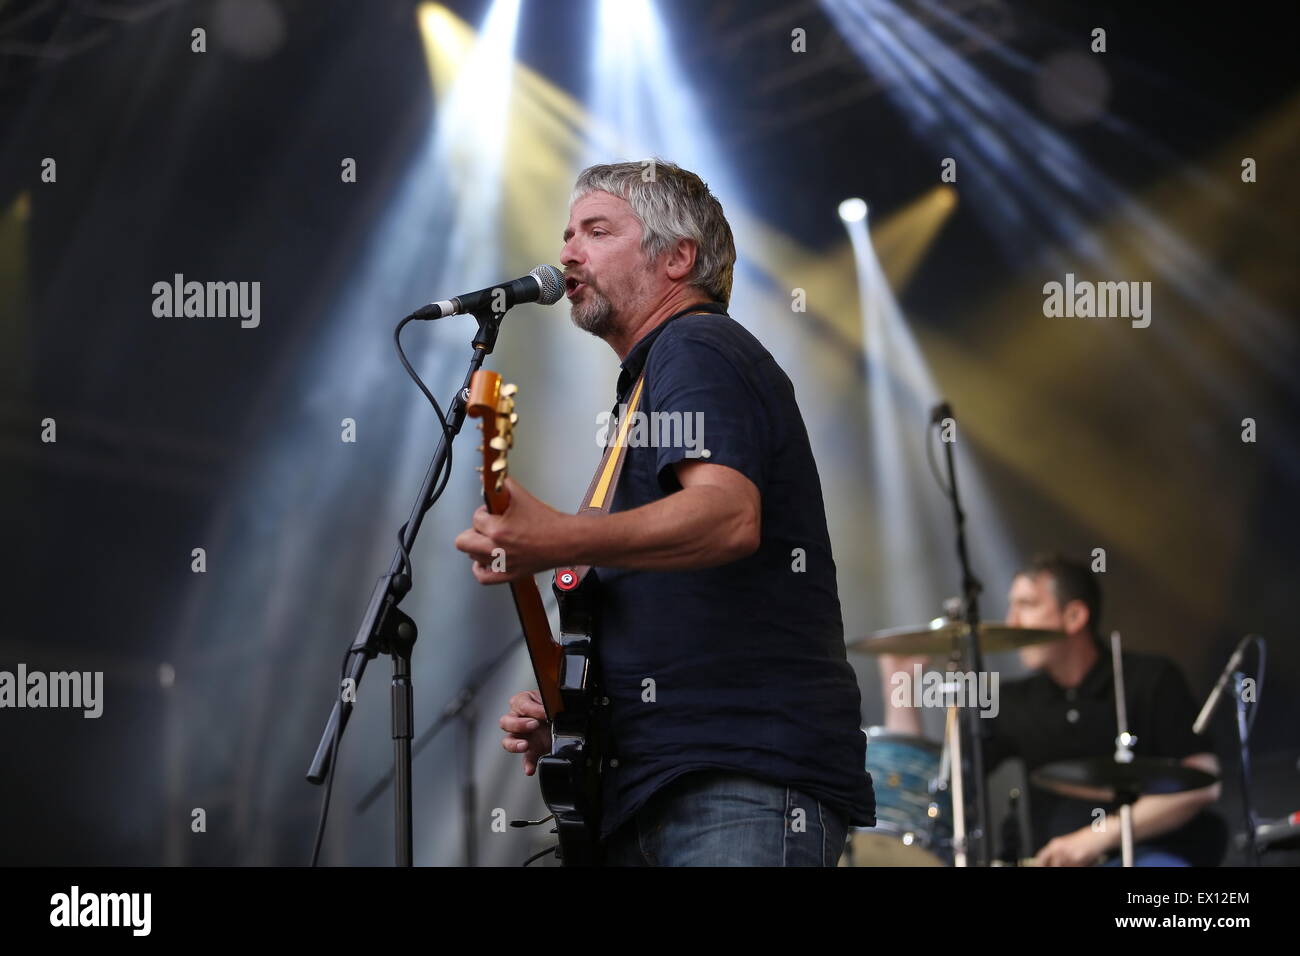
x,y
1042,722
742,666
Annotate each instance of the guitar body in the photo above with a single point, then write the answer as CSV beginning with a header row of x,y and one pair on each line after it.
x,y
570,775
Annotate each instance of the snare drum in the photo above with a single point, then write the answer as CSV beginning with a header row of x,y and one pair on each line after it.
x,y
913,816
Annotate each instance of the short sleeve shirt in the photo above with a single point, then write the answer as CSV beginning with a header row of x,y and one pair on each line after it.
x,y
741,666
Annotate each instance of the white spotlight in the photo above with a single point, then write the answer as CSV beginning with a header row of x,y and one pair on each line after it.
x,y
853,210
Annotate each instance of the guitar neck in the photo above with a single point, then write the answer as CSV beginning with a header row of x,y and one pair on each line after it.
x,y
493,403
542,649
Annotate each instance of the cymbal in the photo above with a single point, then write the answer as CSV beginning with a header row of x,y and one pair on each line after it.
x,y
1101,778
937,638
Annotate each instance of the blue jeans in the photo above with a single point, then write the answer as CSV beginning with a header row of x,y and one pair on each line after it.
x,y
1142,856
721,818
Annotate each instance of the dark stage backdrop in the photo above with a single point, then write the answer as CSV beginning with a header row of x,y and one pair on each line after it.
x,y
1174,448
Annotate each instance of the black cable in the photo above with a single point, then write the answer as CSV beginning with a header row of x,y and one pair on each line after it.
x,y
538,856
442,478
405,568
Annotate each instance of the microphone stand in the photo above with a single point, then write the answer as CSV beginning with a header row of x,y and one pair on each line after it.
x,y
970,589
1243,739
386,629
1233,672
461,705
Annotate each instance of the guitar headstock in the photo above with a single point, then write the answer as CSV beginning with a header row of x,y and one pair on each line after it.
x,y
494,404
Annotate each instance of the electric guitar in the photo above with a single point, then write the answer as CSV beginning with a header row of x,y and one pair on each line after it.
x,y
565,669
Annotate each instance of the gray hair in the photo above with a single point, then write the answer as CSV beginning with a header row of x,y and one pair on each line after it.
x,y
672,203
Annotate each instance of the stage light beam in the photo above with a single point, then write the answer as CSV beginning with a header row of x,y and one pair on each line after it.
x,y
853,210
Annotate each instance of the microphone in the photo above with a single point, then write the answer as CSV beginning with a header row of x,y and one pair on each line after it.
x,y
1212,701
544,285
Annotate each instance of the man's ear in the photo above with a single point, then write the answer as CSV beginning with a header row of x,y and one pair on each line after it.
x,y
681,259
1076,617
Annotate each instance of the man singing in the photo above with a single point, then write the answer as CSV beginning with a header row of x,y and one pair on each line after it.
x,y
734,716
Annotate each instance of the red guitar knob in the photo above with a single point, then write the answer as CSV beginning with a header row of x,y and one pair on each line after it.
x,y
566,579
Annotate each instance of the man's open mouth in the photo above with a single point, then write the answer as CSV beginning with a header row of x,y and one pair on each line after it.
x,y
571,287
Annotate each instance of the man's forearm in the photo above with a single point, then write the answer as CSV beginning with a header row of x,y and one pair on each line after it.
x,y
697,527
903,720
1156,814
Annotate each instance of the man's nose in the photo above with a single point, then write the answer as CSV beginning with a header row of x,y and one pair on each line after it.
x,y
569,254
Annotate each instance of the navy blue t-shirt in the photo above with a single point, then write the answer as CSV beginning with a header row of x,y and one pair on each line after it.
x,y
742,666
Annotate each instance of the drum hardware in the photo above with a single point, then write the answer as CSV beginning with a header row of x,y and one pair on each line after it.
x,y
1244,725
921,826
1123,752
939,636
944,636
913,814
1011,831
1104,782
969,765
1122,778
1283,834
952,741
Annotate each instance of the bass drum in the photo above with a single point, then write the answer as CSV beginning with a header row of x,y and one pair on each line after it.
x,y
913,824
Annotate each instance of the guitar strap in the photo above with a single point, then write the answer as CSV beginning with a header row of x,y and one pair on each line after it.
x,y
600,492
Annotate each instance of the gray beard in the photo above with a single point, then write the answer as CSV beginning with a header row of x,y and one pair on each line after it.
x,y
596,315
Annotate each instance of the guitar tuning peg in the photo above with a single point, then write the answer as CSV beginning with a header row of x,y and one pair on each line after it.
x,y
499,464
508,390
478,468
514,417
498,443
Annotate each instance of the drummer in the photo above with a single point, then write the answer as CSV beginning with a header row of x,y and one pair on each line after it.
x,y
1065,709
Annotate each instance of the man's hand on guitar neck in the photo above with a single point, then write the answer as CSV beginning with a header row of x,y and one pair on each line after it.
x,y
527,731
714,519
529,535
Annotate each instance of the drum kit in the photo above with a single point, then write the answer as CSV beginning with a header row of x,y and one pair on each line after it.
x,y
921,803
932,808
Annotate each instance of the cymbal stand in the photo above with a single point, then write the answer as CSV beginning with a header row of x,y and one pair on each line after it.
x,y
1123,753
